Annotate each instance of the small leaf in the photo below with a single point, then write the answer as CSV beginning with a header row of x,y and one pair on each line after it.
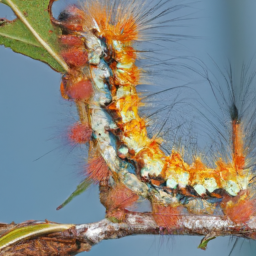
x,y
204,242
22,233
80,189
32,33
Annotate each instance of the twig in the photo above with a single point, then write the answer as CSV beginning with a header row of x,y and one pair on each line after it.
x,y
83,237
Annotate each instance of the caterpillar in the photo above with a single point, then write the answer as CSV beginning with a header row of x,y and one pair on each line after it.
x,y
98,41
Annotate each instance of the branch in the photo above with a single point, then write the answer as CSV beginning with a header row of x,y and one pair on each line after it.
x,y
82,237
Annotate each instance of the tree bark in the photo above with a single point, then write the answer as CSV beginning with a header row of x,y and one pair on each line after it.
x,y
82,237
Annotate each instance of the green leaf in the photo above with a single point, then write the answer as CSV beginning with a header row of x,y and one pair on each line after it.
x,y
203,244
19,234
32,33
80,189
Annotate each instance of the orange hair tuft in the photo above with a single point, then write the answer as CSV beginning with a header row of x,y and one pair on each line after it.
x,y
121,197
166,216
81,90
97,169
80,133
239,208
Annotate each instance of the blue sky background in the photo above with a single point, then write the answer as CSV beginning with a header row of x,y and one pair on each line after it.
x,y
34,119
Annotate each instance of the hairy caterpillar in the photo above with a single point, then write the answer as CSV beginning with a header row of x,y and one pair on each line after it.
x,y
99,40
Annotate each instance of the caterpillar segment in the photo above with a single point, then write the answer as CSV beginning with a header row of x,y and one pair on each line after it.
x,y
111,110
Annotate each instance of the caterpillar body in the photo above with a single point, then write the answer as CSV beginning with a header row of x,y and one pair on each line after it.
x,y
98,46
